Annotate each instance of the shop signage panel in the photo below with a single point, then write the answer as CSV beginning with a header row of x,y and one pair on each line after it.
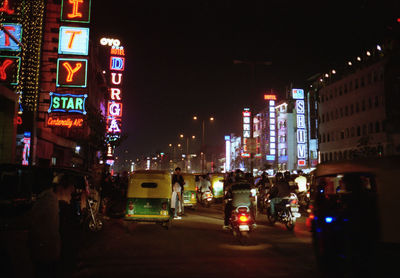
x,y
62,121
75,11
6,42
117,63
73,40
9,69
71,72
113,125
297,93
114,109
67,103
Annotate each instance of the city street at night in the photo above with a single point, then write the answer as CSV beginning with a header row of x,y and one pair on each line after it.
x,y
196,246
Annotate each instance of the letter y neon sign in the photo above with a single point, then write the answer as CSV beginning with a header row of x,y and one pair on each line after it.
x,y
71,71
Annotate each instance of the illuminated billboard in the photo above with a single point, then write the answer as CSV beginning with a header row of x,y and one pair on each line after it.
x,y
75,11
114,109
71,72
297,93
67,122
113,125
117,63
6,42
73,40
67,103
9,69
246,131
272,127
301,133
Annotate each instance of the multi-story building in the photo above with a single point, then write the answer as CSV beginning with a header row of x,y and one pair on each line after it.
x,y
359,110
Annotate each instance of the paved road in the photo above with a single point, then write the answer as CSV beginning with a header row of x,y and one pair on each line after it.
x,y
196,246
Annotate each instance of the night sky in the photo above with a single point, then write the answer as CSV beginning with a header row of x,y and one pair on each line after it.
x,y
180,57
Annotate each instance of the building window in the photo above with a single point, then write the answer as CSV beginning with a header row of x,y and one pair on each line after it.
x,y
370,128
333,137
376,101
327,117
347,133
352,132
369,103
362,82
323,118
346,111
363,105
323,138
350,85
328,138
364,130
322,98
341,112
340,91
330,156
352,109
336,114
332,118
358,131
345,155
356,84
377,127
345,88
357,107
335,156
342,135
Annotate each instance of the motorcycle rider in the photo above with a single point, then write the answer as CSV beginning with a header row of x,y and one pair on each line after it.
x,y
204,185
280,190
263,186
301,182
230,198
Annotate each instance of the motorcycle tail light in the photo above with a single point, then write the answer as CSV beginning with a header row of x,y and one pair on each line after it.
x,y
243,218
242,210
293,202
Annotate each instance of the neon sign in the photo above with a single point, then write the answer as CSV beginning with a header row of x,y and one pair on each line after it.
x,y
64,122
272,126
76,11
67,103
73,40
9,69
5,8
301,132
115,94
227,153
71,72
114,79
26,149
114,125
118,50
6,42
114,109
117,63
110,42
270,97
246,130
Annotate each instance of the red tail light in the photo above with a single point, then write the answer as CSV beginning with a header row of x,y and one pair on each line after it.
x,y
294,201
242,210
192,195
243,218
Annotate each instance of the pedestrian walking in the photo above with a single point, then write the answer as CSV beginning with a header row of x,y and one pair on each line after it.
x,y
176,199
178,178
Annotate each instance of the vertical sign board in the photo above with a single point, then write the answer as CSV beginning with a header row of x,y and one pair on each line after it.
x,y
26,149
227,153
73,40
7,43
75,11
9,69
272,126
301,132
71,72
246,131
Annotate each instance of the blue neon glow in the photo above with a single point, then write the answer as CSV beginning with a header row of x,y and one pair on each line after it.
x,y
83,111
328,219
73,40
117,63
8,44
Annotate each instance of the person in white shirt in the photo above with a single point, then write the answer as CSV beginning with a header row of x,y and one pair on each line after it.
x,y
175,199
301,182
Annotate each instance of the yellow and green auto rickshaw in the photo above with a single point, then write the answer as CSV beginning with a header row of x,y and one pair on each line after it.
x,y
149,197
190,191
217,183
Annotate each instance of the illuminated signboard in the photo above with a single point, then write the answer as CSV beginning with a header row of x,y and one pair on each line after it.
x,y
298,93
71,72
116,78
117,63
118,50
27,148
114,125
301,132
227,153
272,127
73,40
75,11
6,42
7,7
114,109
246,130
270,97
67,103
9,69
110,42
67,122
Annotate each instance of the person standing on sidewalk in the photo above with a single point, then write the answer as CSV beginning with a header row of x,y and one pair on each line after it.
x,y
176,199
178,178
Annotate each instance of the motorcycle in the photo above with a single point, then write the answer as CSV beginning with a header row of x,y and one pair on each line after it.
x,y
286,211
304,200
241,222
206,198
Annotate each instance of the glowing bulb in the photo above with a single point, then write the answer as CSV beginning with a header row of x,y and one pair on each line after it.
x,y
368,53
358,58
212,119
379,47
333,71
349,63
194,118
326,75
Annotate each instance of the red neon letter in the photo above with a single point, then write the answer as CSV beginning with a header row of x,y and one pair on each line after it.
x,y
6,36
71,71
71,39
115,94
5,8
3,67
75,8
